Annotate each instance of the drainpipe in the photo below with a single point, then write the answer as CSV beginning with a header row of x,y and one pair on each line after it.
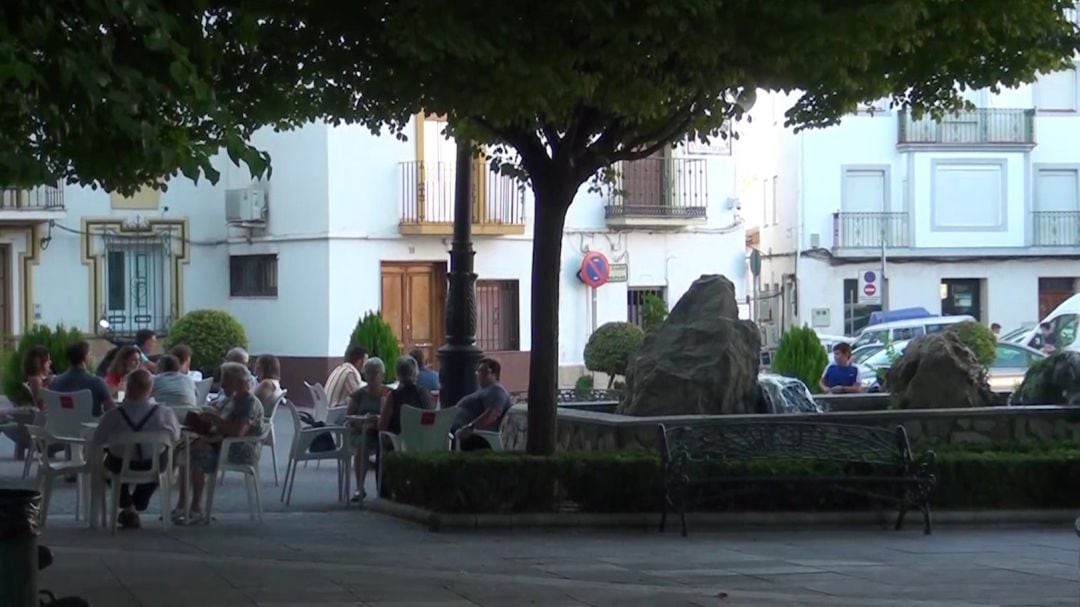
x,y
799,217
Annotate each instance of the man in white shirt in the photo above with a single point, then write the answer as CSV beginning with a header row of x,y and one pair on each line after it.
x,y
171,386
345,379
183,354
135,414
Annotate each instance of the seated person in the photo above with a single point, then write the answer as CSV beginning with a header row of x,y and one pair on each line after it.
x,y
183,354
37,373
407,393
345,378
426,379
268,374
78,377
125,361
483,409
367,400
135,414
240,356
172,386
145,341
841,377
242,415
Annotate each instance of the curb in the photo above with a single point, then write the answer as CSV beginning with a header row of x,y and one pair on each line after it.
x,y
436,521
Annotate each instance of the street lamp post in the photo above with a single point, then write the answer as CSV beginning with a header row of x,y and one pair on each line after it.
x,y
459,356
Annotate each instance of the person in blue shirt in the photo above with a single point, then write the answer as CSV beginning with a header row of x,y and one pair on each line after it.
x,y
841,377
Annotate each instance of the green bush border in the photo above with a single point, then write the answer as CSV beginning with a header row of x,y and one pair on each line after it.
x,y
1016,477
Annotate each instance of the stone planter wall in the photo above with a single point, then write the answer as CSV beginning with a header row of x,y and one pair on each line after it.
x,y
583,430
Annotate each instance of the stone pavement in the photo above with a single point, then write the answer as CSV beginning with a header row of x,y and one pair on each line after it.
x,y
361,558
317,553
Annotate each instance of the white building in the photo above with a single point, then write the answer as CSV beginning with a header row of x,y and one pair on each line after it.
x,y
355,222
976,214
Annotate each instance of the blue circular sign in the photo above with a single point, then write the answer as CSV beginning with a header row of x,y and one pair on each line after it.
x,y
869,277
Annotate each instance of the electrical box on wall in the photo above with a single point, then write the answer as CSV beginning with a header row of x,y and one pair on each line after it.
x,y
820,317
246,206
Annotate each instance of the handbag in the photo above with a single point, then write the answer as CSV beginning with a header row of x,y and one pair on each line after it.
x,y
324,441
197,424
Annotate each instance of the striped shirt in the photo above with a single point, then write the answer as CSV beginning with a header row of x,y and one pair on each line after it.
x,y
343,381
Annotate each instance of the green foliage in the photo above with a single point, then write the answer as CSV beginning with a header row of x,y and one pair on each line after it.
x,y
56,340
611,347
654,311
584,384
378,337
1045,383
801,355
979,339
210,334
1015,477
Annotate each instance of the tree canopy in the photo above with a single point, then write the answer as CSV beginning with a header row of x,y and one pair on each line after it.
x,y
559,90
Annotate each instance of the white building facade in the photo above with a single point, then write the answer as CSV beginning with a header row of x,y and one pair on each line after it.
x,y
975,214
351,222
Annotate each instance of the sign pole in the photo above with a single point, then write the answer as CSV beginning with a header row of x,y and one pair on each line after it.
x,y
884,281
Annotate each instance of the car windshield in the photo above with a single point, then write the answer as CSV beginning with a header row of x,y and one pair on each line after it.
x,y
881,358
866,352
870,337
1014,335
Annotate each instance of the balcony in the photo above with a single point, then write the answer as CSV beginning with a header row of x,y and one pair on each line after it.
x,y
870,230
34,205
990,128
659,193
1055,228
427,205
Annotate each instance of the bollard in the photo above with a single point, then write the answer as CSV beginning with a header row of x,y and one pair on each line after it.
x,y
18,547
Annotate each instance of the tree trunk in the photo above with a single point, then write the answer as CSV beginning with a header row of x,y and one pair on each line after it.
x,y
550,216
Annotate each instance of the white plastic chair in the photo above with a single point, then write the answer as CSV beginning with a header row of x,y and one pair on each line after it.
x,y
159,443
421,431
202,390
32,450
48,470
271,436
250,471
66,412
319,400
299,452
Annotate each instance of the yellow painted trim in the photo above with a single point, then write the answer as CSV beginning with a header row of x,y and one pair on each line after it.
x,y
95,263
447,229
147,198
27,260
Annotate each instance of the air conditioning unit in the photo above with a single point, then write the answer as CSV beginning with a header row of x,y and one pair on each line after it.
x,y
245,206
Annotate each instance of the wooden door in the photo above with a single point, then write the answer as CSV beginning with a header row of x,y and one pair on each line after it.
x,y
1053,292
413,299
643,181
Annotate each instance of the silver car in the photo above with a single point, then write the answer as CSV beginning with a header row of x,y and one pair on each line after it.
x,y
1005,375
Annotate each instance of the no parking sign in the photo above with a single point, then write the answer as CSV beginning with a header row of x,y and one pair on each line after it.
x,y
595,269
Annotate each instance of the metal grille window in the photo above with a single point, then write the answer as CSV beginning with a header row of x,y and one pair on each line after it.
x,y
635,301
136,282
253,276
497,316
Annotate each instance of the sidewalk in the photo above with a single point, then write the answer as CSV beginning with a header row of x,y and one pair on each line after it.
x,y
360,558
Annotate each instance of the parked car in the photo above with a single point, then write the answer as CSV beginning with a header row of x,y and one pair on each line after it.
x,y
906,329
862,353
1005,374
1017,335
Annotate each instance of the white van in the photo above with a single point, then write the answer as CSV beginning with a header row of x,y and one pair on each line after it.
x,y
1063,323
906,329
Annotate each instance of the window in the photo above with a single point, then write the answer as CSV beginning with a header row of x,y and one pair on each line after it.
x,y
856,315
1012,357
905,333
864,191
635,302
253,276
1056,190
497,316
775,213
135,283
961,296
1056,92
969,195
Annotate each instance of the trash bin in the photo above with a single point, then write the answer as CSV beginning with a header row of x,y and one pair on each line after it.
x,y
18,547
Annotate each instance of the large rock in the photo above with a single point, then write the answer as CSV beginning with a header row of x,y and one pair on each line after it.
x,y
702,360
1054,381
938,371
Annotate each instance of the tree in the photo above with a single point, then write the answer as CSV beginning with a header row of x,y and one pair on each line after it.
x,y
801,355
561,91
612,347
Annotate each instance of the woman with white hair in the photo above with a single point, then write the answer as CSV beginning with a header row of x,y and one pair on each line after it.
x,y
407,393
367,400
242,415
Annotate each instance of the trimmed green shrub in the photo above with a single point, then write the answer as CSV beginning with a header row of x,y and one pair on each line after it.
x,y
1040,386
210,334
584,385
801,355
56,340
377,336
611,348
1016,477
979,339
654,312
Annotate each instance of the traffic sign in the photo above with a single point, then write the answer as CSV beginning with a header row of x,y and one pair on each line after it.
x,y
595,269
869,291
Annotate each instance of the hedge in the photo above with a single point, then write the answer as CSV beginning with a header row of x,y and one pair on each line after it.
x,y
608,482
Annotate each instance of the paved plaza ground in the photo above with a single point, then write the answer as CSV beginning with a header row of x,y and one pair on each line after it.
x,y
317,553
